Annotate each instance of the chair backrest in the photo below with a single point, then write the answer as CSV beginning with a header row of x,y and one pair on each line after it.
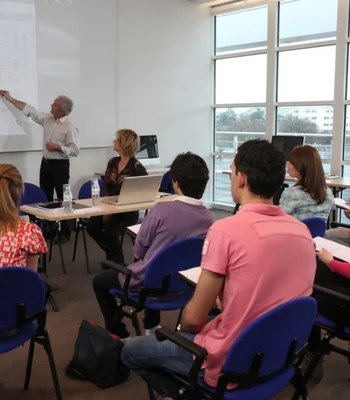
x,y
317,226
166,184
19,285
181,255
32,194
273,333
85,189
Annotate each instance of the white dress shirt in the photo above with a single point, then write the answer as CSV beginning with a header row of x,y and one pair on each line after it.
x,y
60,131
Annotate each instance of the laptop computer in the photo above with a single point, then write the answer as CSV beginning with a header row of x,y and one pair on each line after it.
x,y
136,189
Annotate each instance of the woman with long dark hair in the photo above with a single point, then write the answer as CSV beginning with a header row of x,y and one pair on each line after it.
x,y
309,197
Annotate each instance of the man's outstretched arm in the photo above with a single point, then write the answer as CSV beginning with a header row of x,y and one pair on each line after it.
x,y
18,104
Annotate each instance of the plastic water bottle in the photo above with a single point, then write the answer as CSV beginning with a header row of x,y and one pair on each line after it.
x,y
95,192
67,199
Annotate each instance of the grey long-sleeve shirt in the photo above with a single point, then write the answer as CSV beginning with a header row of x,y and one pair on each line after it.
x,y
60,131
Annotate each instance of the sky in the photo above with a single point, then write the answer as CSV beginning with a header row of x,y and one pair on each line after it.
x,y
303,75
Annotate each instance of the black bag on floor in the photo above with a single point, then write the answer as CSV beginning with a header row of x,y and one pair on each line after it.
x,y
97,357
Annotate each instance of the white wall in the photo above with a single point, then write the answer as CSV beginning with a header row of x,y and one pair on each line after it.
x,y
164,84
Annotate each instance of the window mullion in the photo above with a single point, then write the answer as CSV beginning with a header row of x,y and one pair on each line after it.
x,y
270,124
339,87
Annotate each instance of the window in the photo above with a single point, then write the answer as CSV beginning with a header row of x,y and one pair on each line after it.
x,y
315,132
233,126
241,80
240,88
305,75
316,21
232,34
284,83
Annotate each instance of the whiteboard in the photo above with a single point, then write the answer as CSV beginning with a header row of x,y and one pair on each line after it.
x,y
53,47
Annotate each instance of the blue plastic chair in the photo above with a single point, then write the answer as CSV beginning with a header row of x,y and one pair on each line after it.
x,y
23,316
332,330
166,185
84,193
162,288
261,362
34,194
317,226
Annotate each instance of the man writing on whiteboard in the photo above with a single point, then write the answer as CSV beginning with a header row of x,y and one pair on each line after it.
x,y
60,142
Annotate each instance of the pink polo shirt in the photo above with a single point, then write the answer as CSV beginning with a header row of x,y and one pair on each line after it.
x,y
268,258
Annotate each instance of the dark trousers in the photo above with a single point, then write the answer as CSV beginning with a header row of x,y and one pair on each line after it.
x,y
333,309
107,234
112,313
53,175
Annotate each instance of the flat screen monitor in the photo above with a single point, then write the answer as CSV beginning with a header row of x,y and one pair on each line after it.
x,y
148,153
287,143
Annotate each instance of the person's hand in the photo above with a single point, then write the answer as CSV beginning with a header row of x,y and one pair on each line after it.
x,y
106,218
325,256
347,213
6,94
53,146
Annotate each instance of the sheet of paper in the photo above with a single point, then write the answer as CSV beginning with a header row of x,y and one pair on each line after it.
x,y
135,228
338,250
192,274
87,209
341,203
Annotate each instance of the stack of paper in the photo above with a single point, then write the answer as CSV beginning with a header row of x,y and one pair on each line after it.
x,y
341,203
191,274
134,229
337,250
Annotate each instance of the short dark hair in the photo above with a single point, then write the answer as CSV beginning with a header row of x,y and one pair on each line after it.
x,y
263,164
191,174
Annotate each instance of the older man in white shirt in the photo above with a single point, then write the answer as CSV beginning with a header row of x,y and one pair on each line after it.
x,y
60,141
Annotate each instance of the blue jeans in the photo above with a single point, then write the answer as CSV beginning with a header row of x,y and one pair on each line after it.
x,y
144,353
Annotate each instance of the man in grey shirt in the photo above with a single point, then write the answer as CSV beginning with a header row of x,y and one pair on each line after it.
x,y
60,141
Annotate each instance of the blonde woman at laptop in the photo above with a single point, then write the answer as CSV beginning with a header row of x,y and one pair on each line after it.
x,y
105,230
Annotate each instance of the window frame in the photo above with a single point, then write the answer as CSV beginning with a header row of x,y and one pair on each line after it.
x,y
342,73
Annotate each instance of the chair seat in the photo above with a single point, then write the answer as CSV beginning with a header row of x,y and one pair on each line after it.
x,y
168,303
327,322
263,391
20,338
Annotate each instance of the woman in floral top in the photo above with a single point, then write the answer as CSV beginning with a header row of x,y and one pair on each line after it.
x,y
21,242
105,230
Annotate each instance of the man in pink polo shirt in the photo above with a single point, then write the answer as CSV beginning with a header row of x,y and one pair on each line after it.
x,y
254,261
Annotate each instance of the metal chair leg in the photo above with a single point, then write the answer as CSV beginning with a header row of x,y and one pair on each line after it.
x,y
76,242
150,393
53,303
47,346
29,363
51,244
135,322
300,386
178,319
86,251
62,258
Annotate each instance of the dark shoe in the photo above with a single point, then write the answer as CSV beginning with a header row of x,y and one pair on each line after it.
x,y
62,238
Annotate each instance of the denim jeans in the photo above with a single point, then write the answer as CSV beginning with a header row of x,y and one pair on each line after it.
x,y
144,353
